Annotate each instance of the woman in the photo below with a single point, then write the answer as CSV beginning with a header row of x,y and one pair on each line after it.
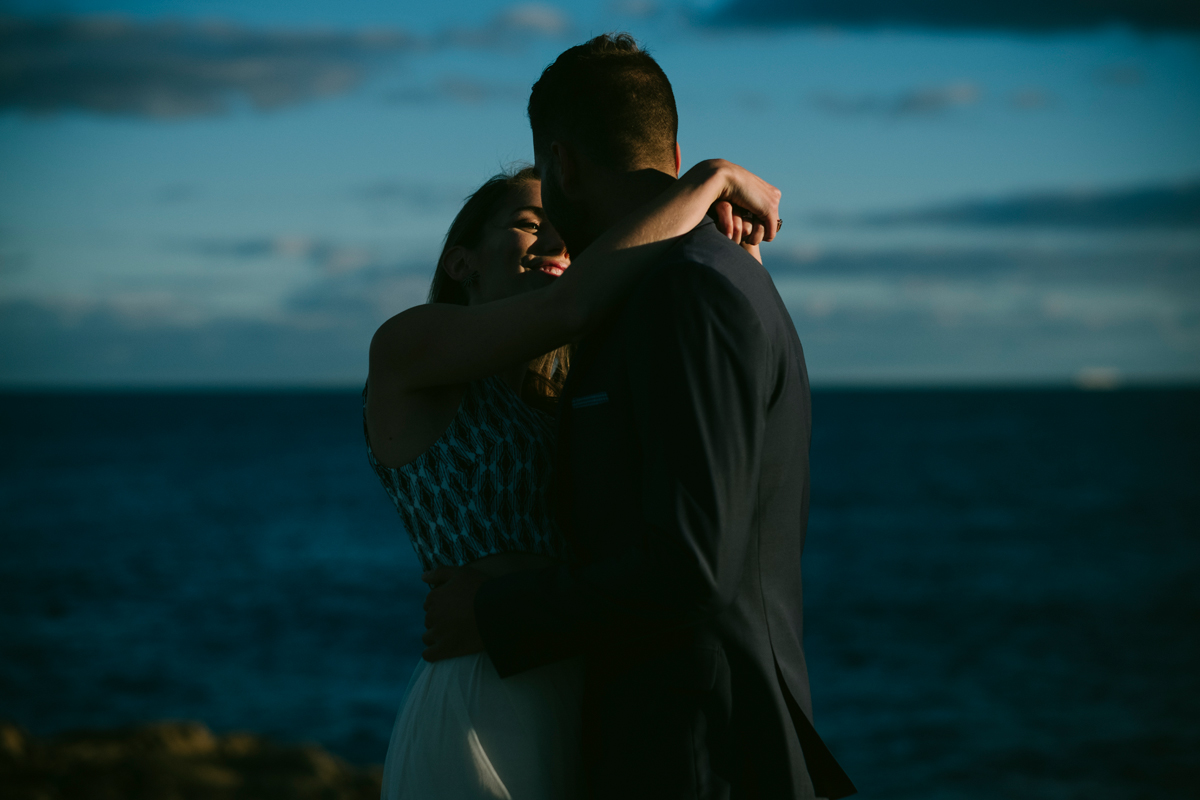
x,y
457,418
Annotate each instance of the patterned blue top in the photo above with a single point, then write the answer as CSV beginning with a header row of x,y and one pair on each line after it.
x,y
482,487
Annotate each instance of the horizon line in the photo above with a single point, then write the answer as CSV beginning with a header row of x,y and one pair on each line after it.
x,y
851,384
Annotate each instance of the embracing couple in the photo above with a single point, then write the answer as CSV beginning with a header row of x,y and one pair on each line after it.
x,y
602,462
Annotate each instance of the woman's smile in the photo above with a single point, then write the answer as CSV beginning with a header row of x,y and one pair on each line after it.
x,y
554,267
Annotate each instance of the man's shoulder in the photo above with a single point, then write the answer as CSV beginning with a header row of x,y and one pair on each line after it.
x,y
705,246
705,262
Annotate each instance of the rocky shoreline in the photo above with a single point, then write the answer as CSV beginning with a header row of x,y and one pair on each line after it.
x,y
174,761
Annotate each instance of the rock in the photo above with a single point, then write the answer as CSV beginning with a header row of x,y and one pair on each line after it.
x,y
174,761
12,742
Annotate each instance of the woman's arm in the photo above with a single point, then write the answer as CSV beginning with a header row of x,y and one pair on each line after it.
x,y
442,344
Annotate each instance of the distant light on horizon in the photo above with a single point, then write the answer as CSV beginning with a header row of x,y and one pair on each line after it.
x,y
1098,379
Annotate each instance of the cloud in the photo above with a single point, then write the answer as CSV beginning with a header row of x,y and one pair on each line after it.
x,y
753,101
532,19
373,293
320,335
1074,266
924,101
458,89
1121,74
175,193
1022,16
512,28
44,344
1156,206
178,69
398,191
1031,98
904,315
640,9
12,263
913,315
328,257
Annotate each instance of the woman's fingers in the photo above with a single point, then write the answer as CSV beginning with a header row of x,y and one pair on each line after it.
x,y
726,218
750,231
436,577
757,232
441,646
755,195
770,216
747,226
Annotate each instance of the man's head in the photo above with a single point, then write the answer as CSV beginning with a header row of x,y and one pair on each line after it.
x,y
606,107
611,100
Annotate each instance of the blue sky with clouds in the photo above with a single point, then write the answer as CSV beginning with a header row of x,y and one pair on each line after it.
x,y
233,193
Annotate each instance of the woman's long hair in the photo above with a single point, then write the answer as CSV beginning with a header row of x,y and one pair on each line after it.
x,y
546,374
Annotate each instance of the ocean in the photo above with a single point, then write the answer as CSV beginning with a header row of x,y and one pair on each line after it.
x,y
1002,587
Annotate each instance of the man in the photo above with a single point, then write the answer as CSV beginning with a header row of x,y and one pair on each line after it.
x,y
681,483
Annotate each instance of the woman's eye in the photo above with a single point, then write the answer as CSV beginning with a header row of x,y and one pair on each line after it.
x,y
529,224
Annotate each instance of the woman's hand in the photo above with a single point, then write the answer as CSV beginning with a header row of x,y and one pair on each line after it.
x,y
740,226
450,628
747,211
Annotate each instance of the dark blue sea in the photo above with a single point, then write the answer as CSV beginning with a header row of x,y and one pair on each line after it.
x,y
1002,587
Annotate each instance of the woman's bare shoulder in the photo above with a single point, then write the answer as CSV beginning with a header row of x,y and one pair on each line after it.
x,y
401,425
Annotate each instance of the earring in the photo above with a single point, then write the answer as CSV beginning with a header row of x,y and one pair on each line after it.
x,y
470,280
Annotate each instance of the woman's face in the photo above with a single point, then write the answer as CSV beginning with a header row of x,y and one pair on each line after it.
x,y
520,250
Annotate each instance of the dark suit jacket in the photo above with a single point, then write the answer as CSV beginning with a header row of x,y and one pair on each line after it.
x,y
682,485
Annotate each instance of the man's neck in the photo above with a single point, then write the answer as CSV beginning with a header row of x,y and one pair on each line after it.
x,y
623,192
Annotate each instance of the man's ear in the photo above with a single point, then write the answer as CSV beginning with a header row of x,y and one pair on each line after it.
x,y
564,167
456,263
678,159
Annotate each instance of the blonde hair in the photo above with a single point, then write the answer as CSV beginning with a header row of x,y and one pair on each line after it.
x,y
546,374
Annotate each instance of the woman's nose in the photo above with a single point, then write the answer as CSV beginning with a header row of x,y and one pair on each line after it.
x,y
549,242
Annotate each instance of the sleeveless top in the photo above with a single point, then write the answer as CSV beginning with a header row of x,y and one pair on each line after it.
x,y
481,488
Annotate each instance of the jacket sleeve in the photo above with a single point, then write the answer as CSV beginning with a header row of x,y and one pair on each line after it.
x,y
699,364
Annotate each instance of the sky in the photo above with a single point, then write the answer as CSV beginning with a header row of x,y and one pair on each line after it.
x,y
238,194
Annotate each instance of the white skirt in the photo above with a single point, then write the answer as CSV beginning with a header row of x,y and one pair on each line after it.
x,y
464,732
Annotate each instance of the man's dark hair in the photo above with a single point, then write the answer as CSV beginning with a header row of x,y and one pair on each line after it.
x,y
611,99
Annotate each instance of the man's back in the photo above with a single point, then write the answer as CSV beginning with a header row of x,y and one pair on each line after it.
x,y
683,469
